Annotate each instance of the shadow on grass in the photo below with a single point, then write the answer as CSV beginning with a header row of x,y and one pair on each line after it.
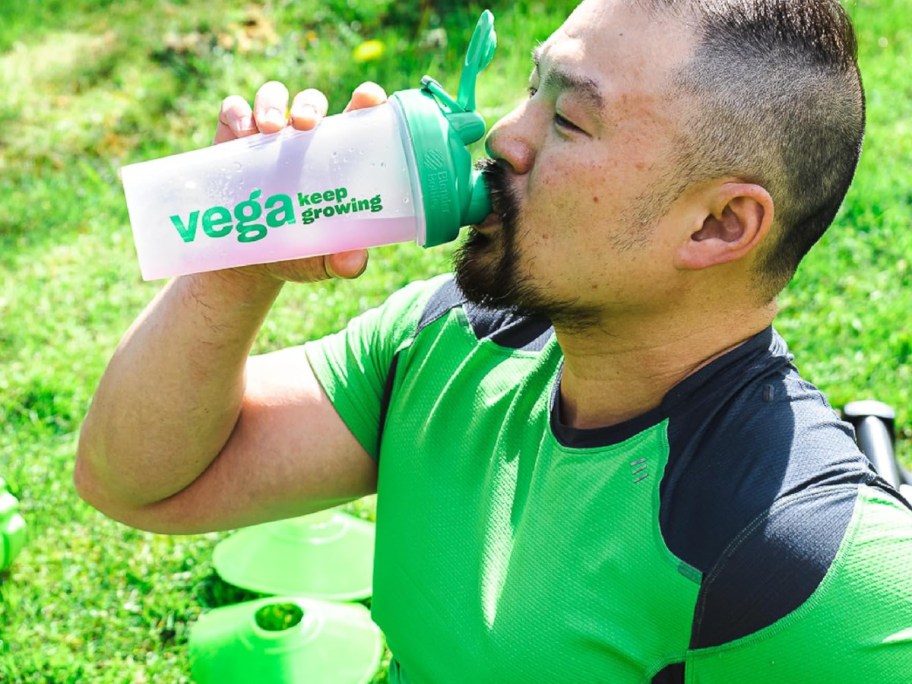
x,y
214,592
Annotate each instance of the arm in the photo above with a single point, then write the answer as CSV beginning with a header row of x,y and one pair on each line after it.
x,y
184,433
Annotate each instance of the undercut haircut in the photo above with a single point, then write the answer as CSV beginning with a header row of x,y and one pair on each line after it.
x,y
772,96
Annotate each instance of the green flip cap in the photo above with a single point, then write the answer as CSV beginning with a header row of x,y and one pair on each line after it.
x,y
441,128
12,527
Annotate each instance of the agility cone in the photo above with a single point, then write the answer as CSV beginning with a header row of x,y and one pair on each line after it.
x,y
12,527
281,639
326,555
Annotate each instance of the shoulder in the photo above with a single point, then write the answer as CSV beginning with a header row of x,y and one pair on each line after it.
x,y
761,486
773,565
502,326
391,323
744,436
817,590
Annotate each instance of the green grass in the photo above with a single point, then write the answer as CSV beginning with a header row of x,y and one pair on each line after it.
x,y
91,86
846,315
87,90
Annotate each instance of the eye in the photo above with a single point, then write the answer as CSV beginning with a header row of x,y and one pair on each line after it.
x,y
561,122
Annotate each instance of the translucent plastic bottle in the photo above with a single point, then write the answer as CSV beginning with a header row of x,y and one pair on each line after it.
x,y
397,172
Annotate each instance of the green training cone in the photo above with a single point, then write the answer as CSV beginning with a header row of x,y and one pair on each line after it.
x,y
326,555
12,527
285,639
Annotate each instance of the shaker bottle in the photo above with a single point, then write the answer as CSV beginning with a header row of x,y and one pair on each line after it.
x,y
391,173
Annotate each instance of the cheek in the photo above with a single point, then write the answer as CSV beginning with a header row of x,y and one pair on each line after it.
x,y
560,168
569,198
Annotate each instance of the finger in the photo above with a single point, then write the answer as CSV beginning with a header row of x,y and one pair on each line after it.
x,y
235,119
312,269
308,108
367,94
346,264
270,106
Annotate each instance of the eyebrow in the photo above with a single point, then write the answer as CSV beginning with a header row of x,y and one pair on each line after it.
x,y
583,86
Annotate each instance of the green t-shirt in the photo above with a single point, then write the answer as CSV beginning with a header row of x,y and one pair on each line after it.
x,y
733,534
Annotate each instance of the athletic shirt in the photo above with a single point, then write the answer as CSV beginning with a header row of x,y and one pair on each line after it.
x,y
735,533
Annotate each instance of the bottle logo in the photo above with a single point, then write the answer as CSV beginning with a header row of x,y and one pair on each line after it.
x,y
252,219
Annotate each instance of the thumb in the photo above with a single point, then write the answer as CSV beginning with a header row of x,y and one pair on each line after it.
x,y
346,264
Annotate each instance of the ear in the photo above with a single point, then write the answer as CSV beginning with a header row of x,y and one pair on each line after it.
x,y
734,220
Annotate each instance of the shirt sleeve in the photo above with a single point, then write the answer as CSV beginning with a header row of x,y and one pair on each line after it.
x,y
353,365
855,627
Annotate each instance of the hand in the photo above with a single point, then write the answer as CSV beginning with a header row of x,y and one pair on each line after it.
x,y
268,115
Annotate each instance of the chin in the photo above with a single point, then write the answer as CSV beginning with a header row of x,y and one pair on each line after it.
x,y
482,268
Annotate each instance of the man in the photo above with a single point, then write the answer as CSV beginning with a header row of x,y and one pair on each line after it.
x,y
593,457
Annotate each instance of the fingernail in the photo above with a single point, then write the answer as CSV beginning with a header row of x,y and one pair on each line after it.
x,y
273,116
243,124
305,113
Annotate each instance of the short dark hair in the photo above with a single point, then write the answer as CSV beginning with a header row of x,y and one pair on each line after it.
x,y
772,95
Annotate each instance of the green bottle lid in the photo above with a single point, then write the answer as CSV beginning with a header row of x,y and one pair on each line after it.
x,y
285,639
12,527
441,128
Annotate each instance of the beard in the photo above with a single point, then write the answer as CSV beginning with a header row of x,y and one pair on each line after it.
x,y
488,266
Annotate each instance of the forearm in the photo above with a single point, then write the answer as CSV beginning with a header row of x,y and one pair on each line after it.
x,y
166,413
172,393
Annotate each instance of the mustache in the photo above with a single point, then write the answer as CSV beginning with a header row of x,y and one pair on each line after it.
x,y
504,201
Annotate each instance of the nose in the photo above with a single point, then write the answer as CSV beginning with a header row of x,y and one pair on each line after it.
x,y
511,140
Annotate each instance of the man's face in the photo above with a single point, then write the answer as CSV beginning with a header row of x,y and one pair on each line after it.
x,y
582,175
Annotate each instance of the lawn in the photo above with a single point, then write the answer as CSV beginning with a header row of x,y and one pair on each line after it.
x,y
89,86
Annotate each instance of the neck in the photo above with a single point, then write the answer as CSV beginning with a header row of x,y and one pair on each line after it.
x,y
622,369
